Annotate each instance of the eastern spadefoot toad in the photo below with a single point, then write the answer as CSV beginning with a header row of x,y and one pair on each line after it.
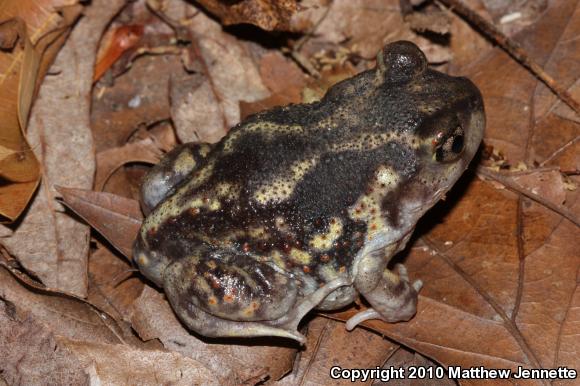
x,y
303,206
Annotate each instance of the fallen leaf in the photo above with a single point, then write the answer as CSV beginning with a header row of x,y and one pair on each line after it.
x,y
406,367
113,284
116,218
121,40
511,92
109,364
284,80
34,354
269,15
364,26
31,354
205,112
196,110
136,100
512,17
31,35
330,345
430,19
108,161
60,134
61,313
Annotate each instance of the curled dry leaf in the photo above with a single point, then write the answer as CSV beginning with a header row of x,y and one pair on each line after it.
x,y
266,14
113,284
30,36
108,161
59,133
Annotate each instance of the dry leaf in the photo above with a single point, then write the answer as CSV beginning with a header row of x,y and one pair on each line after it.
x,y
137,99
205,112
116,218
120,41
34,354
364,26
62,314
329,345
511,93
31,34
284,80
196,110
110,160
60,134
31,354
269,15
431,19
113,284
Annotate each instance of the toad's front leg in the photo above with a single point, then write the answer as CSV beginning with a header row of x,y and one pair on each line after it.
x,y
392,297
173,169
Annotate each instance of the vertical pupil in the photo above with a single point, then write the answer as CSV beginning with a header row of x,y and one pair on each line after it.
x,y
439,154
457,145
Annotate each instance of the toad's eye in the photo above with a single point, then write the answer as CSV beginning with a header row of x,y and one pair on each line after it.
x,y
449,147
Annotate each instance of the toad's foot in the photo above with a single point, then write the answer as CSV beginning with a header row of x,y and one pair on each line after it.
x,y
290,321
394,299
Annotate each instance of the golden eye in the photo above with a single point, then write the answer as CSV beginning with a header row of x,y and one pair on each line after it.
x,y
449,148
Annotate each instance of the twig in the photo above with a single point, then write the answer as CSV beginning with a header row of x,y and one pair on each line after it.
x,y
560,150
514,49
511,174
511,185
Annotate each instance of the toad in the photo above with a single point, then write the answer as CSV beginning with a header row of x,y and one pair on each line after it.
x,y
302,207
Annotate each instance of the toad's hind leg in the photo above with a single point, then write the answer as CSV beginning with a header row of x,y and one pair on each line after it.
x,y
393,298
174,167
226,294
